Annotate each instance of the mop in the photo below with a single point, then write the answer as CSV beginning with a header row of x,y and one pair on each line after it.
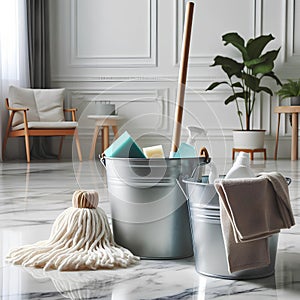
x,y
182,77
80,239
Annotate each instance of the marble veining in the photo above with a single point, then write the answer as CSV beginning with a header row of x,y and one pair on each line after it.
x,y
32,196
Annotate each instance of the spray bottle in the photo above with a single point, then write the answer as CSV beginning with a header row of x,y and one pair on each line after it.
x,y
194,132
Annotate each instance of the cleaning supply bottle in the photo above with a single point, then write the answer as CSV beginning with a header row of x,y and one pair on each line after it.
x,y
241,167
194,133
188,149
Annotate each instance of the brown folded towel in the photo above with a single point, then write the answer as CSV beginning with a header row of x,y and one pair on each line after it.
x,y
280,187
252,209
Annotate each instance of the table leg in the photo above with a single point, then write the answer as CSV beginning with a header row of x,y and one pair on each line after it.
x,y
115,131
233,153
105,136
251,155
94,142
294,154
277,137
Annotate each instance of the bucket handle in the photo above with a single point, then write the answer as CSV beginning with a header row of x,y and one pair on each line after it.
x,y
182,189
102,160
204,153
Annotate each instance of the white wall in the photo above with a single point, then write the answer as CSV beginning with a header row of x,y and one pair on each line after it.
x,y
127,52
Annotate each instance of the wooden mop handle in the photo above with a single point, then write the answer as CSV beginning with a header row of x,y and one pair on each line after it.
x,y
182,75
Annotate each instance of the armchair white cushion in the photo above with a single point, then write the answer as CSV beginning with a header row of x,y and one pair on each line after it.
x,y
45,105
49,125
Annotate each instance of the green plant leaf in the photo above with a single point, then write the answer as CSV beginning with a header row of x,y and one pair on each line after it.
x,y
293,88
229,99
267,63
263,68
215,84
253,62
229,66
234,97
237,41
265,89
251,81
288,89
271,55
255,46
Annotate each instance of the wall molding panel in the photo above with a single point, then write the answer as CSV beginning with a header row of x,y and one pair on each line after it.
x,y
197,57
83,56
151,104
291,40
292,29
128,52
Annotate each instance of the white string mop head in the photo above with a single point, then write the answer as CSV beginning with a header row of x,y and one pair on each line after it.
x,y
80,239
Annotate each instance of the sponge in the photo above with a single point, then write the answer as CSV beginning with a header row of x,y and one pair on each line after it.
x,y
185,151
125,147
154,152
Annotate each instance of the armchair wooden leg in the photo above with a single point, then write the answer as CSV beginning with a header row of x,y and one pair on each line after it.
x,y
78,145
4,145
6,135
27,146
60,147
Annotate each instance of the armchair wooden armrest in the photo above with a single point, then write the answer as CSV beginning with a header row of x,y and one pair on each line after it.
x,y
71,110
14,109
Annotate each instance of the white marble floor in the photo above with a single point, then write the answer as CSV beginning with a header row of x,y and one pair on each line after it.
x,y
33,195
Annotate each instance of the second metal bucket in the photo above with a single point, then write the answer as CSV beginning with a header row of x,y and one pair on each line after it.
x,y
149,211
209,249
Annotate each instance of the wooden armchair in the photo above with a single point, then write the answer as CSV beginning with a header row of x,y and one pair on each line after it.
x,y
39,112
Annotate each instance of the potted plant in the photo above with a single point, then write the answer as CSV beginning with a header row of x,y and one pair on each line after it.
x,y
245,80
291,90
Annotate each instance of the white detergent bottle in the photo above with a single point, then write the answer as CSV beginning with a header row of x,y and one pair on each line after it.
x,y
241,167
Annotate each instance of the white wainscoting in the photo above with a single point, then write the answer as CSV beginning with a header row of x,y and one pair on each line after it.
x,y
128,53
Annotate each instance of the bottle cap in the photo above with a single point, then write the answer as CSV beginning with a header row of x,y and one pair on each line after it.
x,y
243,158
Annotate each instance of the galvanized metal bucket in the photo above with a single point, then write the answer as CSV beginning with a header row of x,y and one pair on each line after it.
x,y
209,249
149,211
205,193
208,243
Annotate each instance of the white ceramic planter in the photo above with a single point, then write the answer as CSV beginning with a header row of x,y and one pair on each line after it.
x,y
252,139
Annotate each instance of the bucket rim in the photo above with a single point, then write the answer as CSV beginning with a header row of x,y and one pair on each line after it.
x,y
201,159
191,180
